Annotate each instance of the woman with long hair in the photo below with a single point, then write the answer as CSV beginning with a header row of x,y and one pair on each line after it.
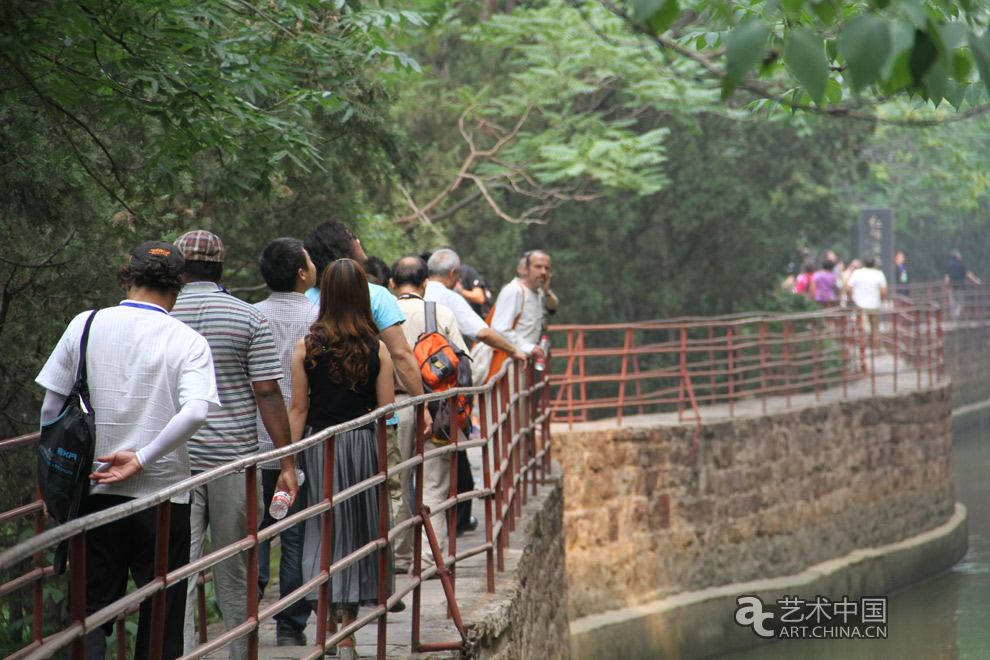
x,y
340,371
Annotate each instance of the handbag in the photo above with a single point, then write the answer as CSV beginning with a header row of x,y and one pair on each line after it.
x,y
66,452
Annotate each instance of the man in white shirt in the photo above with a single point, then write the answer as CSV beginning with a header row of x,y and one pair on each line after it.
x,y
152,385
444,268
867,286
520,304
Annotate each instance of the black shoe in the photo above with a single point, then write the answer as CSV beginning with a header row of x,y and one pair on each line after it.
x,y
398,607
469,526
297,639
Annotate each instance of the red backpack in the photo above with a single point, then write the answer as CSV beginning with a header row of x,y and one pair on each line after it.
x,y
442,366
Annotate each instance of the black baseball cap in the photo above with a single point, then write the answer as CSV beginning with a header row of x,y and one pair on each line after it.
x,y
142,255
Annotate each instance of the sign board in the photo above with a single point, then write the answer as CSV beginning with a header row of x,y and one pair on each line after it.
x,y
876,238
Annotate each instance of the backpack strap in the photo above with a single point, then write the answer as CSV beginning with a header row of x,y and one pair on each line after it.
x,y
83,343
491,312
431,317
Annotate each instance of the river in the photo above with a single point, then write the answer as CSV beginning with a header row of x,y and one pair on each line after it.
x,y
946,617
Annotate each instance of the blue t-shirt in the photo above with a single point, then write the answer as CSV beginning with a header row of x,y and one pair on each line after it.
x,y
384,310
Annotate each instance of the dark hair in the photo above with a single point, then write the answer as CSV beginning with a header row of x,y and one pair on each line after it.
x,y
280,262
345,328
409,270
870,262
153,274
828,265
330,241
203,271
377,270
809,266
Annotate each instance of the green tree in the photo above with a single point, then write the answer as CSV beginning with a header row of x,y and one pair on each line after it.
x,y
840,56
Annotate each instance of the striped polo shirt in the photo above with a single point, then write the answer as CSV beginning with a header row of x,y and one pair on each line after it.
x,y
243,352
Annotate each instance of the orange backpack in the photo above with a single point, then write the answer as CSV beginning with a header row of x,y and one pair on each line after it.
x,y
442,366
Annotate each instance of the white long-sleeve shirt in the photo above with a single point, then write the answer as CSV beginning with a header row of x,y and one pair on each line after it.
x,y
519,315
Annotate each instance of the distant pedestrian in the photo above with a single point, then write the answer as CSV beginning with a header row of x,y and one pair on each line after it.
x,y
867,286
901,273
825,285
956,275
805,281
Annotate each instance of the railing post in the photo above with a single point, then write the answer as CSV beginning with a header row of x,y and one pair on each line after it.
x,y
251,491
157,637
815,366
940,344
622,375
896,349
77,591
928,346
581,373
731,371
486,475
326,534
788,330
384,508
843,323
763,364
417,561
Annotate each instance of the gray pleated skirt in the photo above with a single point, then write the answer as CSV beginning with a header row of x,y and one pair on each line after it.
x,y
355,521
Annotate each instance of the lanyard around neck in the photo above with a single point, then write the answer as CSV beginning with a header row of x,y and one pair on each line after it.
x,y
138,305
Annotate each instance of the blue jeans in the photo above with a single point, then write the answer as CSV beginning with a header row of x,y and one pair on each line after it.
x,y
292,620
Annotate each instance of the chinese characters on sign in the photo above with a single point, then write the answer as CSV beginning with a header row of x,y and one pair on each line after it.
x,y
876,238
796,618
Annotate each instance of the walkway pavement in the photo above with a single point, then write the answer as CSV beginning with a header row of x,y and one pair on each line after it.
x,y
434,625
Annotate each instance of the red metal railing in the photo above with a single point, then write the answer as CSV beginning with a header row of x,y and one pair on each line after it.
x,y
515,459
682,365
969,303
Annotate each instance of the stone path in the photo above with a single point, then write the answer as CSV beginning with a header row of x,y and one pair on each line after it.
x,y
470,587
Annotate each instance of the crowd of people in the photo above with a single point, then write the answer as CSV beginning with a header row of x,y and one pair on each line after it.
x,y
829,282
185,377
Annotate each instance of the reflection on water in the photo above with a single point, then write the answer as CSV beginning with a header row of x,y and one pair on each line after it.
x,y
946,617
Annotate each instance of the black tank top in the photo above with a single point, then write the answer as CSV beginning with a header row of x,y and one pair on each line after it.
x,y
334,403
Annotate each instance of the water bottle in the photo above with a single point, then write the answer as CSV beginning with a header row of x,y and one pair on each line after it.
x,y
300,477
541,362
280,505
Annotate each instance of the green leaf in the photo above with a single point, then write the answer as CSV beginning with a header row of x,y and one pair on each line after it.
x,y
935,82
744,48
962,64
864,45
955,93
923,55
655,15
805,56
980,47
793,7
833,91
825,11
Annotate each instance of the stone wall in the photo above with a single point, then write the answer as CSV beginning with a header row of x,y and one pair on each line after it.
x,y
526,617
764,496
966,349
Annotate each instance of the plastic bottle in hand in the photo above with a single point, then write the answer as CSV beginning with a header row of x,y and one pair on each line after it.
x,y
280,505
540,363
